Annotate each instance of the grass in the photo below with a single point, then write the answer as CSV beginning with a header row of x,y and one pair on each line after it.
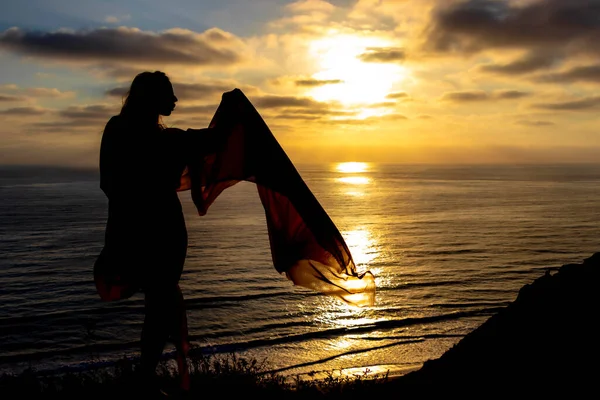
x,y
212,376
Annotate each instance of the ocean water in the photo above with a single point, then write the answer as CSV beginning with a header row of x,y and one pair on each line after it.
x,y
449,246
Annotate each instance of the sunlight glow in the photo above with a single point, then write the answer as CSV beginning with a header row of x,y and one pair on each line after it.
x,y
337,56
352,167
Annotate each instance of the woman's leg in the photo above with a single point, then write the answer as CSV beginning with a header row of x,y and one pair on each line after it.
x,y
179,335
155,331
165,319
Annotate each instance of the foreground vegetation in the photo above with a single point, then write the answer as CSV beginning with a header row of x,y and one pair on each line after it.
x,y
222,376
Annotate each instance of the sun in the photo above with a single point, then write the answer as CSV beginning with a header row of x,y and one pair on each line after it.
x,y
352,167
337,58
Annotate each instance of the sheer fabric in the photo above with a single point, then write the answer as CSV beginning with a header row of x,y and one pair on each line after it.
x,y
305,244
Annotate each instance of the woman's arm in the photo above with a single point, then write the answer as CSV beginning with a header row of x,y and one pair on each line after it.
x,y
206,140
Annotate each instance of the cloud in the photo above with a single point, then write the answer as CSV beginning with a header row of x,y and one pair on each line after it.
x,y
469,96
575,105
383,15
24,111
111,19
475,25
314,113
274,101
173,47
530,63
72,118
9,98
196,110
465,96
383,54
96,111
510,94
64,127
383,104
18,94
305,14
590,73
117,71
48,92
186,91
369,120
321,112
317,82
302,117
303,6
397,95
535,123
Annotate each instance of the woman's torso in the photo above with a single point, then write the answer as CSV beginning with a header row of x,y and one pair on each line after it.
x,y
140,171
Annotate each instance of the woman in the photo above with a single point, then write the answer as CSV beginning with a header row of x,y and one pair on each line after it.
x,y
141,165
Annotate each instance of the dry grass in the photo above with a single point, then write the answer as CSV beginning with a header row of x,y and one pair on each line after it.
x,y
223,376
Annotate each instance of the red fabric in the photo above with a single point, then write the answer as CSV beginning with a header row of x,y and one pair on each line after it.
x,y
305,244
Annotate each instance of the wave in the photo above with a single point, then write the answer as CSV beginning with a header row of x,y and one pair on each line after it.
x,y
105,348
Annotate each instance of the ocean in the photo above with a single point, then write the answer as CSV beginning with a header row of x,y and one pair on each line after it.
x,y
449,246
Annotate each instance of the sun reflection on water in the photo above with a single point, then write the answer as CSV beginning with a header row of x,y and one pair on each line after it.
x,y
363,247
355,180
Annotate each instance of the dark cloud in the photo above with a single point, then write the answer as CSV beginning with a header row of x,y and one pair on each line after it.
x,y
575,105
590,73
535,123
317,82
273,101
184,91
510,94
478,95
383,54
24,111
8,97
397,95
467,96
531,63
176,46
92,112
474,25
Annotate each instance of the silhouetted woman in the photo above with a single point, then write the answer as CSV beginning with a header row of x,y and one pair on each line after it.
x,y
146,238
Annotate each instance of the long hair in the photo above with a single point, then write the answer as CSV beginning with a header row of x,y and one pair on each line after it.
x,y
143,98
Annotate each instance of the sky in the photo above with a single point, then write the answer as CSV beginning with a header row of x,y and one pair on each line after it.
x,y
408,81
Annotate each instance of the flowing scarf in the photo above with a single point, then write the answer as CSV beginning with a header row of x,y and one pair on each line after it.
x,y
305,244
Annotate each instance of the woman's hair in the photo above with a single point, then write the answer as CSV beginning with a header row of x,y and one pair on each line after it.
x,y
144,95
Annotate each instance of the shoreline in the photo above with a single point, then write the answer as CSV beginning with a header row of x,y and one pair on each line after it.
x,y
524,347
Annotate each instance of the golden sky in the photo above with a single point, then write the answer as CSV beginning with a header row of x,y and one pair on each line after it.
x,y
411,81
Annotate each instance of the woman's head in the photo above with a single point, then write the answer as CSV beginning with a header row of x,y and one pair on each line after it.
x,y
150,95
